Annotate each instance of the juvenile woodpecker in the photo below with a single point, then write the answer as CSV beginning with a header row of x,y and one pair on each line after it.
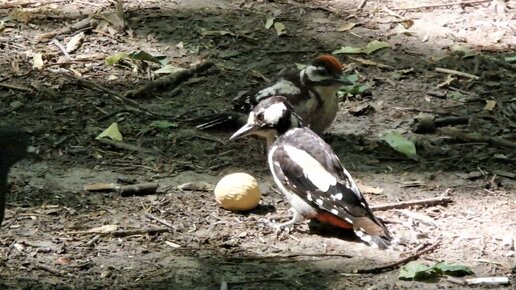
x,y
13,147
312,91
309,173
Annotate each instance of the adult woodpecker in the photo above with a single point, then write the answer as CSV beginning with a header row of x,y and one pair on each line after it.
x,y
13,147
309,173
312,91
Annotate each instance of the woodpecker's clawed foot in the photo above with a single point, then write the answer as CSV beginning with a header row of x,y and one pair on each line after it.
x,y
279,228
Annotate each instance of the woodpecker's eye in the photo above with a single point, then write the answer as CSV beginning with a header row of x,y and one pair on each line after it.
x,y
259,117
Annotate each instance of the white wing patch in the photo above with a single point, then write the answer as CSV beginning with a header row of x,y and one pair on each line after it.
x,y
312,169
283,87
295,201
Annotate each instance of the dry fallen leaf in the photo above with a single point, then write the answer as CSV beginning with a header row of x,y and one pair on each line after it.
x,y
37,61
490,105
346,27
75,42
104,229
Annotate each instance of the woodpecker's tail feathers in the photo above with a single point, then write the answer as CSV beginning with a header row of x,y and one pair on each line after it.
x,y
373,232
380,242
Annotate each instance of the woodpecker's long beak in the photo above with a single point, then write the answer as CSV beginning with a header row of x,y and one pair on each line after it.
x,y
340,79
244,131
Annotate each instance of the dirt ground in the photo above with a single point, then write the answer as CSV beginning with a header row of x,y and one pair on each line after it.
x,y
57,235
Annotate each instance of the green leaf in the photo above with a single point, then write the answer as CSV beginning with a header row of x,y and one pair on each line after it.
x,y
510,58
352,78
375,45
417,271
348,50
269,21
453,269
116,58
464,51
455,95
280,28
111,132
162,124
346,27
144,56
169,69
401,144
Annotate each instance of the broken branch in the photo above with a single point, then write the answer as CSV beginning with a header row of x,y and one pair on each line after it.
x,y
173,79
396,264
497,141
409,203
457,73
443,5
87,22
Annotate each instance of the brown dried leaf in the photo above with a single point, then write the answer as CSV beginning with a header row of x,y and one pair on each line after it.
x,y
75,42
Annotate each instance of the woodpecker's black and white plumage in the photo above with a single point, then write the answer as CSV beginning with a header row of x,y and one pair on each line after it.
x,y
308,172
13,147
312,91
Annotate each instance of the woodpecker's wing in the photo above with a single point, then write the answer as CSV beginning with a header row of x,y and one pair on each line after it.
x,y
309,168
288,84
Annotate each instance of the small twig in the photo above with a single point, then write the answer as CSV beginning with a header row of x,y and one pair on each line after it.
x,y
289,256
442,5
477,138
128,147
92,241
122,233
17,88
139,189
173,79
47,268
396,264
19,4
409,203
427,123
457,73
361,5
69,29
162,221
95,86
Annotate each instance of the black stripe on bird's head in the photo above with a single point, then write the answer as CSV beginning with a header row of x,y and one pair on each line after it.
x,y
325,70
271,117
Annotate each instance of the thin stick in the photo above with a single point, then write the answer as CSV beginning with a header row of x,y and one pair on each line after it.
x,y
19,4
409,203
173,79
477,138
361,4
456,72
128,146
47,268
443,5
396,264
122,233
95,86
16,88
161,221
87,22
288,256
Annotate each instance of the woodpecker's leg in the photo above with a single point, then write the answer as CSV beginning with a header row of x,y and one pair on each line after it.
x,y
297,218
